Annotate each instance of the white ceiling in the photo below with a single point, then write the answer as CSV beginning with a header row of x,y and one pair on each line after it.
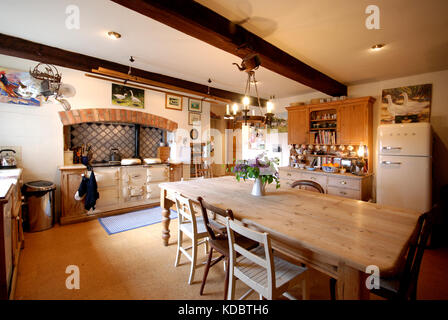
x,y
329,35
155,46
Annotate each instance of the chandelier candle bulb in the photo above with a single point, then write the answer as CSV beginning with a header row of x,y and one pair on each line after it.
x,y
235,109
227,109
269,107
246,101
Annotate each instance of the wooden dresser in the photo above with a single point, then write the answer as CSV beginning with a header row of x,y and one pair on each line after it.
x,y
11,232
350,123
344,185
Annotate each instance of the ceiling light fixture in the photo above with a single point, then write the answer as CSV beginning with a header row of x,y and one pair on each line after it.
x,y
113,35
249,64
377,47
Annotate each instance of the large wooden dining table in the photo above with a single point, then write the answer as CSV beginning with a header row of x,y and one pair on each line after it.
x,y
337,236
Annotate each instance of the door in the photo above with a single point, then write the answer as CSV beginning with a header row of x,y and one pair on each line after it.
x,y
71,181
7,208
108,188
134,181
404,182
405,139
297,126
353,124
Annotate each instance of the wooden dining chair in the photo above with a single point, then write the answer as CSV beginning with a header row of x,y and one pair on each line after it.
x,y
217,237
194,228
204,169
308,185
268,275
404,286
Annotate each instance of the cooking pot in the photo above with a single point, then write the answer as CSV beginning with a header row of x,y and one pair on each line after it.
x,y
8,161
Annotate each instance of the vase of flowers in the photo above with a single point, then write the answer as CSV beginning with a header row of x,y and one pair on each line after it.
x,y
262,169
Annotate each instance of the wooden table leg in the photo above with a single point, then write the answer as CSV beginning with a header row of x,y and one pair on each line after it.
x,y
165,204
351,284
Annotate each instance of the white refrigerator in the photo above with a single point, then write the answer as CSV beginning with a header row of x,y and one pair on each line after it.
x,y
404,166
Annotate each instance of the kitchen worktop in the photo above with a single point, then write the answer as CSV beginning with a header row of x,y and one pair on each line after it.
x,y
8,178
319,171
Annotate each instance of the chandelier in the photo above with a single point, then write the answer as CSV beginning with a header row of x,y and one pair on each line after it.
x,y
249,65
51,85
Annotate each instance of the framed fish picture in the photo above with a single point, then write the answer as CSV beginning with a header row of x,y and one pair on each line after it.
x,y
406,104
194,105
19,87
128,96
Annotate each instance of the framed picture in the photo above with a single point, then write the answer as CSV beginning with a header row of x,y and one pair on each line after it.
x,y
128,96
193,117
173,101
19,87
194,105
257,139
406,104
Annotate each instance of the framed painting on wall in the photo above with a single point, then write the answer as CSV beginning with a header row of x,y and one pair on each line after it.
x,y
19,87
406,104
257,139
194,105
128,96
173,101
193,117
279,122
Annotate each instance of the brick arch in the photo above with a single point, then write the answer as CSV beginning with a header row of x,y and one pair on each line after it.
x,y
116,115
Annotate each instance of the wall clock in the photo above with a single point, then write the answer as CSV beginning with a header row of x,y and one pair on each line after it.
x,y
194,134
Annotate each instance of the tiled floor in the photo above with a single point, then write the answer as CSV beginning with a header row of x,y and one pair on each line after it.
x,y
135,265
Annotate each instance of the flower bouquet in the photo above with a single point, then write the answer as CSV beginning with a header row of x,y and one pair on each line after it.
x,y
262,169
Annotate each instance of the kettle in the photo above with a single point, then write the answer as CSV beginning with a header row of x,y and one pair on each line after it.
x,y
114,155
8,161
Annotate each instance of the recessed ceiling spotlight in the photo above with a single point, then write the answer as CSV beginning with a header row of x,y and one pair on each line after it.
x,y
114,35
378,47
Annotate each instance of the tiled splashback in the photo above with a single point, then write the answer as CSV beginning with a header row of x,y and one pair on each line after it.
x,y
150,139
104,136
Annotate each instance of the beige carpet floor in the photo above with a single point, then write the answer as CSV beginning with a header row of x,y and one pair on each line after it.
x,y
135,265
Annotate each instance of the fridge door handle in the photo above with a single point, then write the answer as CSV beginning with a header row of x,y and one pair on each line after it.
x,y
392,148
390,162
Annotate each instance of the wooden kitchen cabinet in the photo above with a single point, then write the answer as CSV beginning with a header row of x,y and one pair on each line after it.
x,y
297,125
342,185
355,123
176,171
71,209
11,233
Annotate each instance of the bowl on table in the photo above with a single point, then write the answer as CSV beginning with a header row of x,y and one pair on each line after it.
x,y
310,168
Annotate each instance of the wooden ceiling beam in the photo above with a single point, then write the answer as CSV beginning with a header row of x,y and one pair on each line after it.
x,y
21,48
204,24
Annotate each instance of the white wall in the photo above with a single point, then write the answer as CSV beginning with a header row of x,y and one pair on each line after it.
x,y
439,113
39,131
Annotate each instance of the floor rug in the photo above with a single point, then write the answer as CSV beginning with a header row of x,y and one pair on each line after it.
x,y
133,220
